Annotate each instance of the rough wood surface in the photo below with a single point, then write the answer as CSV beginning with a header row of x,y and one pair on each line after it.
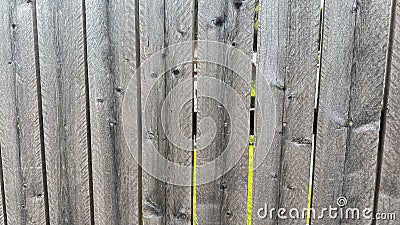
x,y
292,61
62,66
111,62
350,103
298,119
162,26
333,121
271,66
9,135
20,145
179,28
151,41
355,55
231,23
28,118
389,195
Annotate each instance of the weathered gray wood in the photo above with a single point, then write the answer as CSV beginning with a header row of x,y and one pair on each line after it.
x,y
9,133
111,62
20,144
8,136
152,40
334,103
350,103
271,65
389,198
62,65
179,18
290,65
300,80
28,118
224,200
163,25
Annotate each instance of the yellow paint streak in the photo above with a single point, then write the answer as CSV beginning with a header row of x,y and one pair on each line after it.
x,y
194,216
310,185
250,182
309,206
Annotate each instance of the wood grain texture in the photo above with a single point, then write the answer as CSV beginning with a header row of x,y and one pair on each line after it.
x,y
273,36
298,119
28,118
223,201
62,66
179,28
151,41
111,62
389,198
9,133
161,26
21,150
350,103
334,103
290,65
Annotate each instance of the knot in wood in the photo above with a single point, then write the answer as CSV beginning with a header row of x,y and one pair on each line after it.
x,y
223,186
218,21
119,89
176,72
182,215
238,3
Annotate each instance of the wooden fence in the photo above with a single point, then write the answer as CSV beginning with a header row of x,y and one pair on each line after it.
x,y
65,66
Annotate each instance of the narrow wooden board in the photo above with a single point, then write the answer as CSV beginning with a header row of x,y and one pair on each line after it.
x,y
273,36
111,63
224,200
20,142
162,26
350,104
334,104
299,101
62,67
291,69
179,19
28,118
9,134
389,198
151,41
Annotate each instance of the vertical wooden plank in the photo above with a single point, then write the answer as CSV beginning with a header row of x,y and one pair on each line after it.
x,y
224,200
6,96
273,36
334,103
162,26
111,62
299,101
8,128
179,19
389,198
62,66
28,118
355,38
151,41
102,97
21,149
288,60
